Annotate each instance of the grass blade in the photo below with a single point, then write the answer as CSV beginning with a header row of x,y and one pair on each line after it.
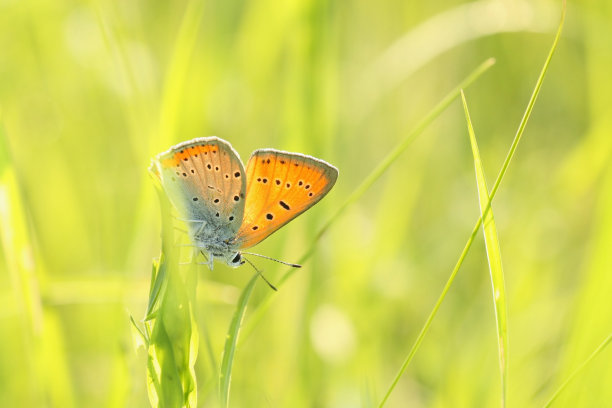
x,y
374,176
494,257
392,157
578,370
420,45
225,375
470,240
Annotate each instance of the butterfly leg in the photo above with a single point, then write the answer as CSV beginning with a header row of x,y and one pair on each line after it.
x,y
209,259
204,255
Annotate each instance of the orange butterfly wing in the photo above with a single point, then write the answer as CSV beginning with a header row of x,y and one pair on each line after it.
x,y
280,186
205,181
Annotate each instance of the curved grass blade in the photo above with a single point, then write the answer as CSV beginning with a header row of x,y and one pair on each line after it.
x,y
420,45
373,177
140,337
494,258
578,370
470,240
392,157
225,375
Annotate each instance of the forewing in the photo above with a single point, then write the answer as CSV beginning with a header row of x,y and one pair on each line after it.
x,y
280,186
205,180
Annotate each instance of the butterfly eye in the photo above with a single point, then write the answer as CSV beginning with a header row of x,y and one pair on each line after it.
x,y
237,258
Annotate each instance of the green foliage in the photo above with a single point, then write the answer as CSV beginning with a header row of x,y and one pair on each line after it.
x,y
225,373
493,256
171,334
89,92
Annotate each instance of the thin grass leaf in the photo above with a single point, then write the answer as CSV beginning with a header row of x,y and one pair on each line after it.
x,y
493,256
420,45
384,165
373,177
140,337
225,375
470,240
158,281
578,370
210,352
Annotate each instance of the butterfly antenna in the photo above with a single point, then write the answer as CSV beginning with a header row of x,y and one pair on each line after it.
x,y
261,275
275,260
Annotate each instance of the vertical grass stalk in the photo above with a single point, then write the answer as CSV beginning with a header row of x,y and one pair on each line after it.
x,y
225,374
171,334
493,256
470,240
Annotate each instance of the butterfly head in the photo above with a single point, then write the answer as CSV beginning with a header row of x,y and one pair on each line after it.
x,y
235,260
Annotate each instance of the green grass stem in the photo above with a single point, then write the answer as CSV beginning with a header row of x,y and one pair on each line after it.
x,y
468,244
373,177
225,374
494,258
578,370
384,165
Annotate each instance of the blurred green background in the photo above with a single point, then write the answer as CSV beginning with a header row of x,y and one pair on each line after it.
x,y
90,91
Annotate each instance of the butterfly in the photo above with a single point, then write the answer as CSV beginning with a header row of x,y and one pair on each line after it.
x,y
228,209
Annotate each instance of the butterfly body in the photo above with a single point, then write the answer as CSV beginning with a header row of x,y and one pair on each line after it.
x,y
208,237
227,208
